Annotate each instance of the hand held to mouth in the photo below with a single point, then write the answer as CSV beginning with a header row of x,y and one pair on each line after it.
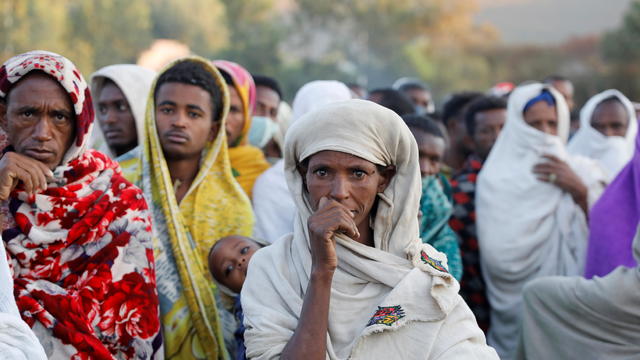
x,y
16,168
330,218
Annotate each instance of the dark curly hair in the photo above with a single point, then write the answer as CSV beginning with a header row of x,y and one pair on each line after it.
x,y
193,73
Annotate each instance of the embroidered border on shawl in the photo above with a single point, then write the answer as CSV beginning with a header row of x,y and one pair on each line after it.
x,y
436,264
387,315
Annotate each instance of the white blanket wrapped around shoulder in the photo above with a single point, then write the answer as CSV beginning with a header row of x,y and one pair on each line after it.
x,y
576,318
410,310
17,341
528,228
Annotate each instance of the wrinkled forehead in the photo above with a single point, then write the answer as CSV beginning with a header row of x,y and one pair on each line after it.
x,y
38,75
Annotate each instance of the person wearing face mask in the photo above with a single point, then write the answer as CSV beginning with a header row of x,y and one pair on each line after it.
x,y
608,129
435,202
532,203
247,161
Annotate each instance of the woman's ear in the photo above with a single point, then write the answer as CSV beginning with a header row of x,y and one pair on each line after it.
x,y
386,175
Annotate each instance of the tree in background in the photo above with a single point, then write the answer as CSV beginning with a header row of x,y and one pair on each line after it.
x,y
369,41
621,50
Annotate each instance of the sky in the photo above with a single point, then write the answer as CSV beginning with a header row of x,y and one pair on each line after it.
x,y
549,22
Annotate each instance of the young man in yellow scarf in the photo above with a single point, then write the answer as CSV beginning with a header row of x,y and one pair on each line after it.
x,y
183,168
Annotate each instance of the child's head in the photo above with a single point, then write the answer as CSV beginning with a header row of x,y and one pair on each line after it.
x,y
229,258
431,142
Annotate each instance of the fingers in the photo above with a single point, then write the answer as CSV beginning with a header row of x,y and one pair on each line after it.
x,y
32,173
551,157
333,217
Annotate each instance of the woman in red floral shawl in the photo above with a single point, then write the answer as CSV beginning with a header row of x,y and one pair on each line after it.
x,y
79,243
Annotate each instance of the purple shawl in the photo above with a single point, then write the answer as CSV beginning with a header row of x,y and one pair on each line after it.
x,y
613,221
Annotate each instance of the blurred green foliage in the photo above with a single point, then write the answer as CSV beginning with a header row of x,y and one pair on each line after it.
x,y
372,42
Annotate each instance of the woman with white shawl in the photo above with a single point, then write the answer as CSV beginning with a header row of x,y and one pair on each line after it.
x,y
532,202
354,280
575,318
608,129
133,83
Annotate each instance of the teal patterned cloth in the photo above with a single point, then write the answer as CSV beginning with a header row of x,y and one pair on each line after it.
x,y
436,207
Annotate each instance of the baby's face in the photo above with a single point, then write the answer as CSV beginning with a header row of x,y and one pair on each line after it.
x,y
229,260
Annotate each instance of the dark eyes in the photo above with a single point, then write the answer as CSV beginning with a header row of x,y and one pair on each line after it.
x,y
166,110
359,174
244,250
321,172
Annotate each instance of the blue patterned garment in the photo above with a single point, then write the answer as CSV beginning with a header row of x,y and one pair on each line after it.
x,y
239,334
436,208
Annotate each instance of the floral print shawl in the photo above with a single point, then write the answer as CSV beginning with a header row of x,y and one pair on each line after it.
x,y
81,251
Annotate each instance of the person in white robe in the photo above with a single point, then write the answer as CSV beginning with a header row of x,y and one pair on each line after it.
x,y
532,202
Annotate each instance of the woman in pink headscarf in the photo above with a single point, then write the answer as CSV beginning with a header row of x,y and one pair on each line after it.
x,y
247,161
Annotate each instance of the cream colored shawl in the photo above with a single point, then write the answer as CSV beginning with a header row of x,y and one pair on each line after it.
x,y
528,228
392,301
135,82
611,152
575,318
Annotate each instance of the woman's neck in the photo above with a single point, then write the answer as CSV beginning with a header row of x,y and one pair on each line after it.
x,y
366,234
182,173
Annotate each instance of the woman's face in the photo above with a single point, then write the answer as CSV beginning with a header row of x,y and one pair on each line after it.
x,y
235,118
543,117
347,179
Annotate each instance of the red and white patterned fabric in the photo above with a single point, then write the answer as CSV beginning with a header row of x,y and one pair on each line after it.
x,y
81,251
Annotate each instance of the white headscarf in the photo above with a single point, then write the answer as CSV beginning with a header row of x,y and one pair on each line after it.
x,y
527,228
392,273
611,152
316,94
135,83
272,203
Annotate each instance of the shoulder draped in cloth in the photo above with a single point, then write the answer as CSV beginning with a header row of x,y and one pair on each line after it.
x,y
214,206
611,152
436,207
528,228
247,161
575,318
394,300
134,81
612,221
81,250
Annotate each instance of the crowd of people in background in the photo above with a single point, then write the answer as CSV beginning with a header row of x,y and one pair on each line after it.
x,y
500,224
